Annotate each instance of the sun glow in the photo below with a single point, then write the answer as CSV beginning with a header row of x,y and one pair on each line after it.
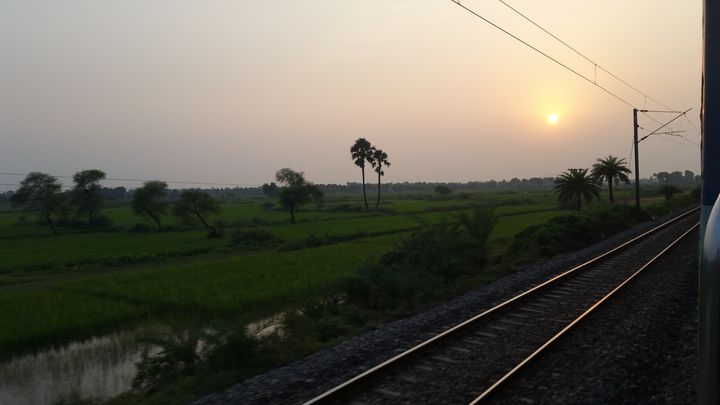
x,y
552,119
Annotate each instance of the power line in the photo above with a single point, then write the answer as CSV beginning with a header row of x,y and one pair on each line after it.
x,y
515,37
593,82
196,183
595,64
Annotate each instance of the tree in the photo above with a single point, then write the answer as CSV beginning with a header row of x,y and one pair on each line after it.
x,y
669,191
663,177
443,190
86,195
379,158
196,204
689,179
149,200
612,170
270,190
39,191
575,185
361,153
296,191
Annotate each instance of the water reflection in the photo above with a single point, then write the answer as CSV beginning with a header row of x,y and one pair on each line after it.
x,y
266,327
98,368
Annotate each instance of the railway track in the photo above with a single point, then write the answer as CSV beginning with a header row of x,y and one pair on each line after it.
x,y
468,362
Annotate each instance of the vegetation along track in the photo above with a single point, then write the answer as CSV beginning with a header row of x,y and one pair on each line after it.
x,y
467,362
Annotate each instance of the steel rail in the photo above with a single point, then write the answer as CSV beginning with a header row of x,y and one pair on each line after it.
x,y
492,389
396,359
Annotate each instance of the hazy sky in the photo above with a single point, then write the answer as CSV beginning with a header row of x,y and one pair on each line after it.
x,y
231,91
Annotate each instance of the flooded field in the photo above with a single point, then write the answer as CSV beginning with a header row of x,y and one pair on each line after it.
x,y
98,368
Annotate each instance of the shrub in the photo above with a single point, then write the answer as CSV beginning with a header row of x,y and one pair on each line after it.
x,y
346,208
314,240
256,238
573,232
411,272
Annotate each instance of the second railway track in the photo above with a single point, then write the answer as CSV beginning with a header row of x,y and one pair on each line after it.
x,y
463,364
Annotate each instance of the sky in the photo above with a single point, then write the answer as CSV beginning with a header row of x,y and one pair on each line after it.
x,y
230,91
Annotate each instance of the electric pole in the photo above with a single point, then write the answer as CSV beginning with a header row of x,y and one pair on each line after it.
x,y
637,141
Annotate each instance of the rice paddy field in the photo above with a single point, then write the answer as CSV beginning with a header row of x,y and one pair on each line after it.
x,y
60,294
58,288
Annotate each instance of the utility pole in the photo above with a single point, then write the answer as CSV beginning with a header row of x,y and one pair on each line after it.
x,y
636,143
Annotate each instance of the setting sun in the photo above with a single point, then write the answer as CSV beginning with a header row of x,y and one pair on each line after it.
x,y
552,118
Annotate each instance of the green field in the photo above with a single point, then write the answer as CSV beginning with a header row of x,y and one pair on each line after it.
x,y
80,282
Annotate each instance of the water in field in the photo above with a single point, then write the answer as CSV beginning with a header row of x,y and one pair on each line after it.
x,y
98,368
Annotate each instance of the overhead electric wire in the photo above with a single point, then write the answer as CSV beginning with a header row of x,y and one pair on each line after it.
x,y
597,65
694,127
689,145
593,82
476,14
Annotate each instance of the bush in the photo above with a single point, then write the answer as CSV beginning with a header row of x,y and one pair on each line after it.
x,y
314,240
256,238
410,273
346,208
573,232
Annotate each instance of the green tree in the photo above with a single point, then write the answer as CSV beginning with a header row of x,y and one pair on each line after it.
x,y
150,200
39,191
443,190
270,190
612,170
86,195
662,177
379,159
361,153
575,185
196,204
296,191
669,191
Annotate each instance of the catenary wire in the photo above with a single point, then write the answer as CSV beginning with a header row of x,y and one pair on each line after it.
x,y
593,82
476,14
597,65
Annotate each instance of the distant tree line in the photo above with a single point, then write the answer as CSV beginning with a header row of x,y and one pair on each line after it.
x,y
81,205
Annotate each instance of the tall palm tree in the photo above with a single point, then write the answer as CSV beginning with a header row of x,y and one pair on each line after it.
x,y
612,170
575,185
379,159
362,152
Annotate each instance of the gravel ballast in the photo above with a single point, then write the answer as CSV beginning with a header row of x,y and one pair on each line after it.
x,y
315,374
639,348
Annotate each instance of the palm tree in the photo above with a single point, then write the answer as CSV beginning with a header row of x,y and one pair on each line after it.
x,y
611,169
575,185
361,152
379,158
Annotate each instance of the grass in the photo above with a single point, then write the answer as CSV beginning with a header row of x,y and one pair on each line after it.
x,y
83,283
248,286
32,246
